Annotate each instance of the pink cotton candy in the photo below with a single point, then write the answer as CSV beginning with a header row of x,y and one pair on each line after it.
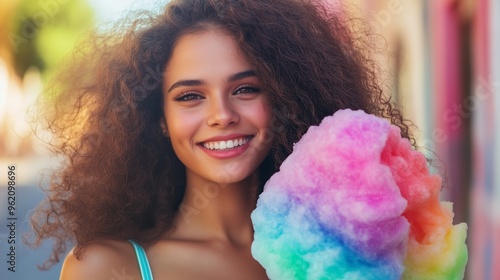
x,y
333,210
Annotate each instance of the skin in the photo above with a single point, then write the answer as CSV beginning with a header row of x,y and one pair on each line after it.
x,y
212,232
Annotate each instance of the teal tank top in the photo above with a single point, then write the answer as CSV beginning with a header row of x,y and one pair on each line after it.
x,y
142,259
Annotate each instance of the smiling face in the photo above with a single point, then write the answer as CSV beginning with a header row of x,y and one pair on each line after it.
x,y
216,114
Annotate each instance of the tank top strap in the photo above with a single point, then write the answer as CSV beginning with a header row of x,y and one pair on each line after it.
x,y
142,259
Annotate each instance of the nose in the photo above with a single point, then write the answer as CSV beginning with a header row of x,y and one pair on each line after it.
x,y
222,113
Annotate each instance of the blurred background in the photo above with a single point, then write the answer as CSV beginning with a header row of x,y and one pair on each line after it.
x,y
441,65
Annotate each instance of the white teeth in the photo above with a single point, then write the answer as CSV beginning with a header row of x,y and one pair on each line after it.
x,y
222,145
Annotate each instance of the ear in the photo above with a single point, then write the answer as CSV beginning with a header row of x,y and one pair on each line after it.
x,y
164,127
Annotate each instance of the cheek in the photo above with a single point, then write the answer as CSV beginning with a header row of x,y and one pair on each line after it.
x,y
182,123
258,112
263,114
260,116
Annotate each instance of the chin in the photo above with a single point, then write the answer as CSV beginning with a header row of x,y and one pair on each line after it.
x,y
230,176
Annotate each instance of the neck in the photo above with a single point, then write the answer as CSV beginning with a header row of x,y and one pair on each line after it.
x,y
216,211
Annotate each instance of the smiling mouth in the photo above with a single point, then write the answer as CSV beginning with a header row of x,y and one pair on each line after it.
x,y
226,145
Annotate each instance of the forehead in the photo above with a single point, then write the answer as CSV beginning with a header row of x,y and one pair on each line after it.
x,y
204,55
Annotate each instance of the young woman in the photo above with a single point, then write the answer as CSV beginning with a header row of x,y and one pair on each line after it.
x,y
171,128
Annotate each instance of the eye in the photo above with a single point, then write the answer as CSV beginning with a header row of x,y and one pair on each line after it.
x,y
188,96
246,89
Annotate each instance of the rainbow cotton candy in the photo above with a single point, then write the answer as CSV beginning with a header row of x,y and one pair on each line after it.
x,y
355,201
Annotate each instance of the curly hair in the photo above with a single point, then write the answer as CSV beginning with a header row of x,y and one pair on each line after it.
x,y
121,179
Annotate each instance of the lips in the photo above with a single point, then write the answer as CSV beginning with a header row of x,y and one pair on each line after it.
x,y
222,147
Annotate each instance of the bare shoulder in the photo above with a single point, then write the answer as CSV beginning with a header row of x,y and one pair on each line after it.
x,y
107,259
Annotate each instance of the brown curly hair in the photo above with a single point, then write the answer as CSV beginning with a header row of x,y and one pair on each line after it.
x,y
120,178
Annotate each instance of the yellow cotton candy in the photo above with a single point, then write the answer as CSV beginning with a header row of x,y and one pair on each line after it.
x,y
444,256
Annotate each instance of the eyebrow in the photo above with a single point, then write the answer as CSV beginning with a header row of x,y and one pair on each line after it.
x,y
232,78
